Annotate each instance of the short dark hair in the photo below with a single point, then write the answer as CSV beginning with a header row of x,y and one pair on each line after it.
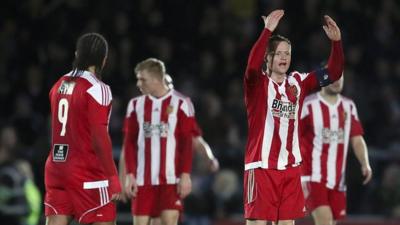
x,y
91,49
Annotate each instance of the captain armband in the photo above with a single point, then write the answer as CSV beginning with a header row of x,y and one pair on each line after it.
x,y
323,77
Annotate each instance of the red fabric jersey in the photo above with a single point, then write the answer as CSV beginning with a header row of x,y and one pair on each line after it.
x,y
326,131
273,109
196,130
81,147
158,138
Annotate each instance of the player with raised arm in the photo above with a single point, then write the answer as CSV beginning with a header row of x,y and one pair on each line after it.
x,y
157,147
329,123
81,179
274,98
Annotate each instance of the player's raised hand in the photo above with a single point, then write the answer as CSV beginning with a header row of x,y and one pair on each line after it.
x,y
331,29
271,21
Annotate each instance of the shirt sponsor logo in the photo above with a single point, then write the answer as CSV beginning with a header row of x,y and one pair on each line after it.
x,y
60,152
284,109
329,135
158,130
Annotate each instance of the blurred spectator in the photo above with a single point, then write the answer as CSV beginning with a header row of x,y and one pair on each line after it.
x,y
20,200
390,190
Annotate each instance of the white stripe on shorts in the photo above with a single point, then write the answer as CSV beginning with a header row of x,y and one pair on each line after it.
x,y
95,184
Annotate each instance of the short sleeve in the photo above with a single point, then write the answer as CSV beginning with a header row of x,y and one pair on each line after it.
x,y
99,104
356,126
187,107
130,109
196,130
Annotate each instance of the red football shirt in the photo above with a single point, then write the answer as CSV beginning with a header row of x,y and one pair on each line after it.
x,y
325,136
79,105
158,138
273,110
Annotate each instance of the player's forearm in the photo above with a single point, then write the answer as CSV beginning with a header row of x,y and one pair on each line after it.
x,y
336,61
203,147
360,150
257,53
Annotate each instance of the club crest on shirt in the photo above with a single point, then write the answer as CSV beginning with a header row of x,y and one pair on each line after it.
x,y
344,115
169,109
292,90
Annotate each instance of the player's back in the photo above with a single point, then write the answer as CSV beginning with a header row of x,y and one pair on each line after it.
x,y
71,148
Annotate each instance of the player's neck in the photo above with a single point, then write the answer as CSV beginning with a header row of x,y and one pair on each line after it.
x,y
160,92
92,69
330,98
278,78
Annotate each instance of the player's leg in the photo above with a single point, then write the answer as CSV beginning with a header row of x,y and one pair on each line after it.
x,y
144,205
292,203
105,223
155,221
284,222
58,220
337,203
323,215
141,220
58,206
170,204
256,222
260,195
169,217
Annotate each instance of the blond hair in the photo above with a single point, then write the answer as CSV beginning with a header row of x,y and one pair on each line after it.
x,y
154,66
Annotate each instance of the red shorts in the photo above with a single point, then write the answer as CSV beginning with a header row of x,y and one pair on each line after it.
x,y
320,195
152,200
87,205
273,195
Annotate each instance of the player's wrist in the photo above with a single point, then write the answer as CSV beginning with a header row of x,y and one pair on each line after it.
x,y
185,175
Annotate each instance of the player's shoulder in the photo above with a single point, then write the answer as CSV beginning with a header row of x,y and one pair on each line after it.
x,y
132,104
133,101
347,100
297,75
96,88
179,94
187,105
311,98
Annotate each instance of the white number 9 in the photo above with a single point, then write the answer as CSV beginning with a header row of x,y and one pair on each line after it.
x,y
63,114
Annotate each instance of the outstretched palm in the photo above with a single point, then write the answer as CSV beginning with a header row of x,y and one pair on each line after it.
x,y
272,20
331,29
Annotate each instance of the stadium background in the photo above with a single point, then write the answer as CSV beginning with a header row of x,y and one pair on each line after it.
x,y
205,45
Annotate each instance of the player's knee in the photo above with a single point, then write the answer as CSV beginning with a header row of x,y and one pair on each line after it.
x,y
286,222
170,221
324,220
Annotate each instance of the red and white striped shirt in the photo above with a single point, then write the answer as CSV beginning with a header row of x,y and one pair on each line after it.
x,y
326,130
158,138
273,110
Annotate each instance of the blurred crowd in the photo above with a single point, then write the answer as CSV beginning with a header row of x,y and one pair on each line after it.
x,y
205,44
